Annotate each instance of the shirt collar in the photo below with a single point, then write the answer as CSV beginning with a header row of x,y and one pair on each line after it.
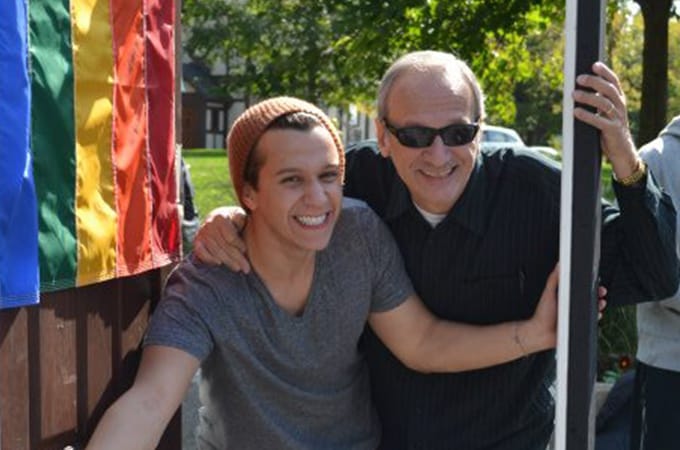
x,y
468,210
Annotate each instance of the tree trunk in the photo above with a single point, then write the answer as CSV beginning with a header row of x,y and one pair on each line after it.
x,y
656,14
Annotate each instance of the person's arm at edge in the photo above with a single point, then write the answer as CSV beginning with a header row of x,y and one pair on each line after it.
x,y
646,223
138,418
662,156
428,344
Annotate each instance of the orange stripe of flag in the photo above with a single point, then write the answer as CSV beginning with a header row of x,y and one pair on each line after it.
x,y
130,139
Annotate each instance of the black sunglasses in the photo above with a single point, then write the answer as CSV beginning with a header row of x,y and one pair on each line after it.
x,y
421,137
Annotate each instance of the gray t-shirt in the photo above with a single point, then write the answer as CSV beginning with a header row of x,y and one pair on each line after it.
x,y
271,380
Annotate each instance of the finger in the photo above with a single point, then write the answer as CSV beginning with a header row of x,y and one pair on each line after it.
x,y
601,305
595,119
605,106
232,255
603,80
594,85
239,218
601,292
608,74
236,261
228,229
552,282
204,255
606,95
222,232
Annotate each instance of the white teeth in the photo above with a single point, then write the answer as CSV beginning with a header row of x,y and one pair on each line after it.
x,y
311,220
439,173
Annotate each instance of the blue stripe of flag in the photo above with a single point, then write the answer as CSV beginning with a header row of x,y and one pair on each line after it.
x,y
18,211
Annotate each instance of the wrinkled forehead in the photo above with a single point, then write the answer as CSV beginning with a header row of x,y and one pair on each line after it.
x,y
421,93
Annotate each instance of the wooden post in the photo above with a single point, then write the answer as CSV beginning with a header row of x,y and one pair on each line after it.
x,y
579,238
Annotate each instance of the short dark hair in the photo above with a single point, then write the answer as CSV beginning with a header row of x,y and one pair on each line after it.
x,y
301,121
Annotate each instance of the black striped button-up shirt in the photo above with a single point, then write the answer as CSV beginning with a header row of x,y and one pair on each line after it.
x,y
487,262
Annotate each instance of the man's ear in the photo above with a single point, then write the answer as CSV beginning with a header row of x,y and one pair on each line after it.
x,y
249,197
383,139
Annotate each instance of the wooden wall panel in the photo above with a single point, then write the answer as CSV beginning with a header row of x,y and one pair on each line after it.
x,y
62,363
14,414
58,374
96,364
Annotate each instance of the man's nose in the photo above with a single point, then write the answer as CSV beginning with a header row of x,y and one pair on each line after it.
x,y
315,192
438,152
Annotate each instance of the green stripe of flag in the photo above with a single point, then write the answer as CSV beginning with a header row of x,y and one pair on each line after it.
x,y
53,140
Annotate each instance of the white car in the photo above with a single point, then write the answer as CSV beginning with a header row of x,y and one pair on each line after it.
x,y
502,137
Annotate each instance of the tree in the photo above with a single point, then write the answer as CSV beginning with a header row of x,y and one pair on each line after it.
x,y
269,47
624,47
656,15
334,51
523,75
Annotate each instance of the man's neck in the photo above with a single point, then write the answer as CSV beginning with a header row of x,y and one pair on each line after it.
x,y
287,272
432,218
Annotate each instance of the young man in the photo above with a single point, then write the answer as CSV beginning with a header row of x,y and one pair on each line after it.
x,y
278,347
479,232
657,376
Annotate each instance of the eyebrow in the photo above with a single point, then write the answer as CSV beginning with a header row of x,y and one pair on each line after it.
x,y
289,170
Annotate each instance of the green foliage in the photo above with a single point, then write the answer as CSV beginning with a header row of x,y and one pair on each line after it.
x,y
617,342
674,67
624,50
523,76
335,51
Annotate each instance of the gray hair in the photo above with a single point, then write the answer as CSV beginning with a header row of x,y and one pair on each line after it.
x,y
422,61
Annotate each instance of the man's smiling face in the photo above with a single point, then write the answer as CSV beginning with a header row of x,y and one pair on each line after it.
x,y
436,175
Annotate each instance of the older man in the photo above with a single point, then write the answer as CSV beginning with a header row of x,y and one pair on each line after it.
x,y
479,233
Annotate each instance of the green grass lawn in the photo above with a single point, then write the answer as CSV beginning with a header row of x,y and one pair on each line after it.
x,y
210,176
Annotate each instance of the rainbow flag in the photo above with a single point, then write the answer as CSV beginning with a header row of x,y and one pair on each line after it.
x,y
93,83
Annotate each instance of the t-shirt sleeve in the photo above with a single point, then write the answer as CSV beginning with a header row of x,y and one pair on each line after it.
x,y
391,285
178,320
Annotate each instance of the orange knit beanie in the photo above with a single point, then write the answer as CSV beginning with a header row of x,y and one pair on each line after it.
x,y
249,126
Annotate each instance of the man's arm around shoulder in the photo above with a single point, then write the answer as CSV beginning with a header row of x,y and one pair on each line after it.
x,y
428,344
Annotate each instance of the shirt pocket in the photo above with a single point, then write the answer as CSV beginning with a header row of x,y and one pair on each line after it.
x,y
497,297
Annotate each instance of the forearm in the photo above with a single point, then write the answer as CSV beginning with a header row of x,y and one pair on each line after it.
x,y
427,344
137,419
457,347
132,422
638,255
